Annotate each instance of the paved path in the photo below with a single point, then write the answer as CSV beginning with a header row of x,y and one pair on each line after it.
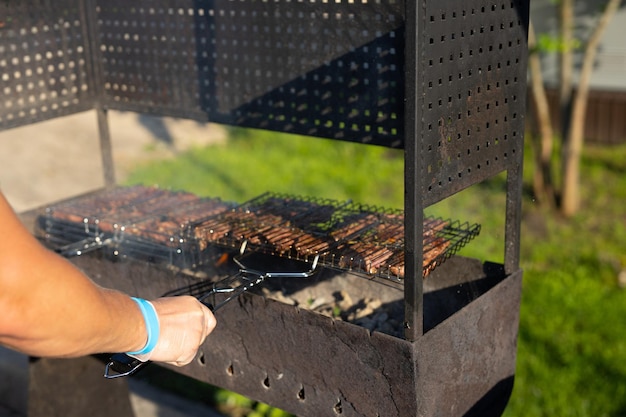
x,y
146,400
48,161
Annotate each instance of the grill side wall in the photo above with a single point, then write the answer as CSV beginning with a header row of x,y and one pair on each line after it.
x,y
312,365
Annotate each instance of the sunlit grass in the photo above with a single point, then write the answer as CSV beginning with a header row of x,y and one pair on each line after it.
x,y
257,161
572,343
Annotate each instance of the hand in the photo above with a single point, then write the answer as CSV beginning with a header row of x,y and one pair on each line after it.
x,y
184,324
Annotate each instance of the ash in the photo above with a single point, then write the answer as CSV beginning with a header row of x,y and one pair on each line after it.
x,y
344,297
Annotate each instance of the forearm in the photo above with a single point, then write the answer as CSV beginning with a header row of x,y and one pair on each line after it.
x,y
58,311
50,308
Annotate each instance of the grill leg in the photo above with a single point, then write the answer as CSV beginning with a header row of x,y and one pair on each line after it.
x,y
75,387
106,149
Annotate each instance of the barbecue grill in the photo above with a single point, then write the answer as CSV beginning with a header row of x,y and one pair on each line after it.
x,y
444,81
182,230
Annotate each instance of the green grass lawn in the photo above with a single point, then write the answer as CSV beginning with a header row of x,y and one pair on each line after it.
x,y
256,161
572,342
572,339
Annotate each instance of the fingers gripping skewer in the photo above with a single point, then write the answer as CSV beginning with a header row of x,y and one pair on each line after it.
x,y
214,296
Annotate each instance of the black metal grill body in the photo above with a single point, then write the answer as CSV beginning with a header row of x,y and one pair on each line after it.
x,y
444,80
328,69
313,365
45,62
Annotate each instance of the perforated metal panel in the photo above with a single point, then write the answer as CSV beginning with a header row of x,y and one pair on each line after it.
x,y
315,67
322,68
473,66
44,61
329,68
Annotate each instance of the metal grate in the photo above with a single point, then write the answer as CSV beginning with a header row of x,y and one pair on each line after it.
x,y
76,220
379,249
337,234
161,235
183,230
140,222
285,225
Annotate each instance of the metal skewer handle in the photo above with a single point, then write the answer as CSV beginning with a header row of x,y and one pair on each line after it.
x,y
214,296
83,246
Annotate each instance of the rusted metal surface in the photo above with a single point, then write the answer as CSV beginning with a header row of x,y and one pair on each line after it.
x,y
445,80
470,357
312,365
289,357
334,70
465,69
472,62
75,387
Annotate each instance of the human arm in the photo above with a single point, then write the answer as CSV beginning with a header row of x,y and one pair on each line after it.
x,y
48,307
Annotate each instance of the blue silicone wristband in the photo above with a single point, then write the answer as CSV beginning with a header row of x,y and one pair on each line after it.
x,y
152,325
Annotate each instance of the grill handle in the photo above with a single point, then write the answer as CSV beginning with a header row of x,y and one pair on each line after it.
x,y
83,246
212,295
121,364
